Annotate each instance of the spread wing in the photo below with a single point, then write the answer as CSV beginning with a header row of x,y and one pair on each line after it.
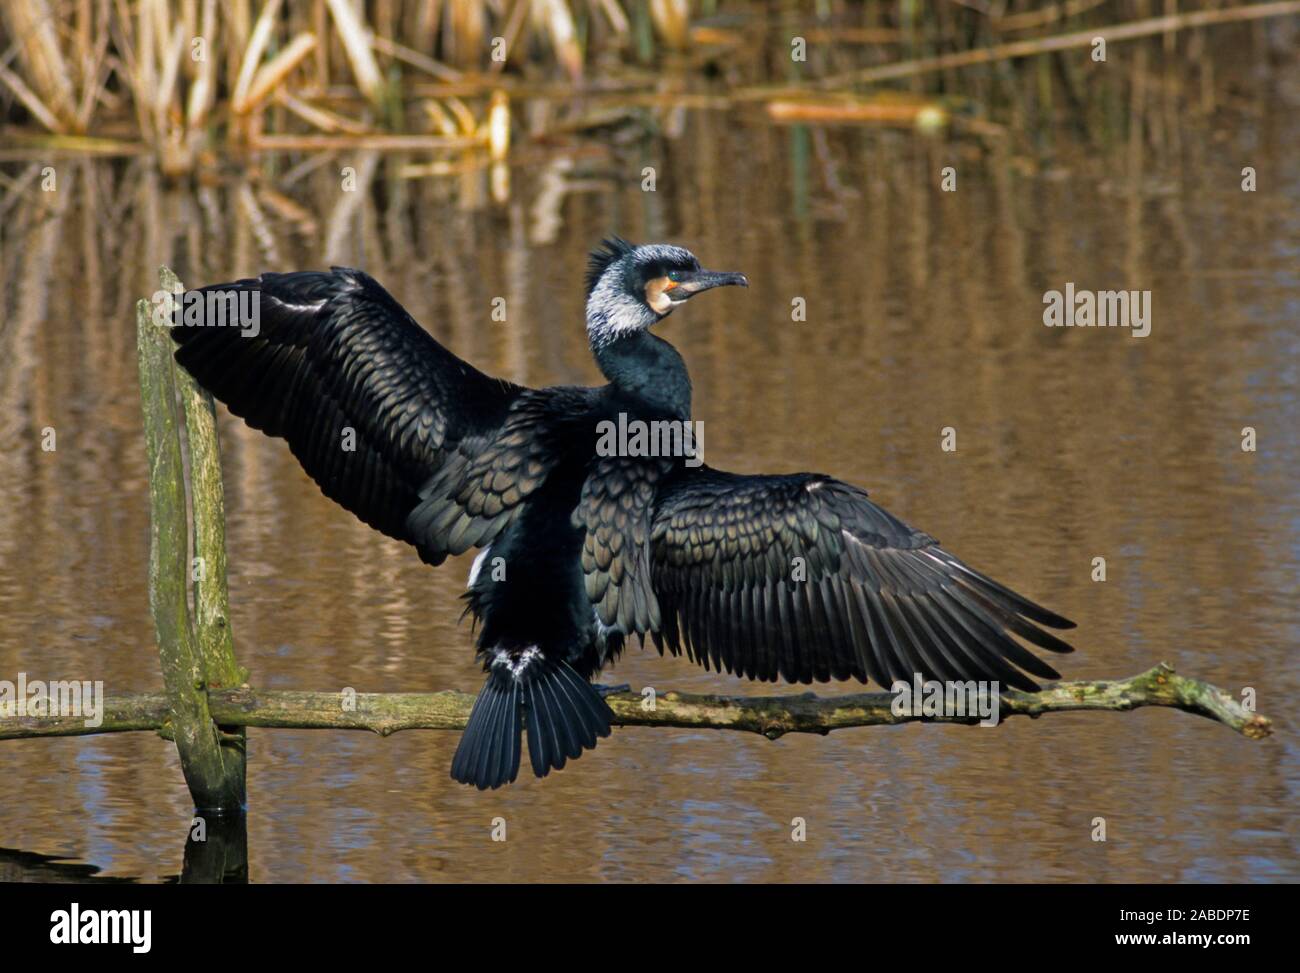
x,y
804,578
388,422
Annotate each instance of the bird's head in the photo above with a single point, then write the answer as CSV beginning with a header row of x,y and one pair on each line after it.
x,y
629,288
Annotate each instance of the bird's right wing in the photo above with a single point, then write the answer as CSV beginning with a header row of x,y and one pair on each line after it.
x,y
388,422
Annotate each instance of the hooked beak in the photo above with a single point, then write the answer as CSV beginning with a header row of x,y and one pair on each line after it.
x,y
703,280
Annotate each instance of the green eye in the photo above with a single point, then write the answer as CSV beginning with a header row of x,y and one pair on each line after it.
x,y
674,275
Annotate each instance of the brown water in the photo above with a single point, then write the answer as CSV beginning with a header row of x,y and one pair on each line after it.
x,y
923,311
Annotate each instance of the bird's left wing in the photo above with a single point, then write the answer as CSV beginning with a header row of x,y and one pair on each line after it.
x,y
802,577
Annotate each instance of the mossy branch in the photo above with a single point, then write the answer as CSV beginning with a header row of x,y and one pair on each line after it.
x,y
211,605
214,770
772,716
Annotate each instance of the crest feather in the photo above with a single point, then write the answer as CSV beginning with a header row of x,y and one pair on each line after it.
x,y
610,249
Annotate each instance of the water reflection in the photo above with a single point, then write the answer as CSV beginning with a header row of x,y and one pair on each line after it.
x,y
216,851
923,312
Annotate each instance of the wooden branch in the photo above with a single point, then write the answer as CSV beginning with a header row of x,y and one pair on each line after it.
x,y
121,714
211,608
772,716
214,780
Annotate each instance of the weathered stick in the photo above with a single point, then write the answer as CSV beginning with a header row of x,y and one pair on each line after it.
x,y
772,716
211,619
137,711
213,780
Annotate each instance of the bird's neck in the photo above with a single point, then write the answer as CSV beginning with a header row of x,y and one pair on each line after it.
x,y
648,368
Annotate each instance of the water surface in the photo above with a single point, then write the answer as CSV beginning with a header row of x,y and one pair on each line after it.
x,y
923,312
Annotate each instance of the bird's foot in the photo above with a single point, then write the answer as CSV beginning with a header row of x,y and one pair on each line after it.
x,y
603,690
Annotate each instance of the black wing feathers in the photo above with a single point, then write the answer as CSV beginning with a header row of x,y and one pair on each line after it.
x,y
803,578
614,514
476,492
371,405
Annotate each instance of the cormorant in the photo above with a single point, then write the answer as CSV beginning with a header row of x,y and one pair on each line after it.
x,y
596,546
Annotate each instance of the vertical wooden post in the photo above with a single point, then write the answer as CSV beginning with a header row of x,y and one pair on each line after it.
x,y
208,511
192,658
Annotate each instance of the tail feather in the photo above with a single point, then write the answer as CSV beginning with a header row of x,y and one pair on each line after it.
x,y
564,716
489,751
563,713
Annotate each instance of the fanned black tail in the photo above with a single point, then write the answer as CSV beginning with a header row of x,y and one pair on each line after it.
x,y
563,713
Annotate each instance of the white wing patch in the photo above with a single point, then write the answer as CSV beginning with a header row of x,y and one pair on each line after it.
x,y
477,566
313,306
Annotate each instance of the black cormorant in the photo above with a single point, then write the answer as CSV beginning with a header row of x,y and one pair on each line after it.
x,y
796,576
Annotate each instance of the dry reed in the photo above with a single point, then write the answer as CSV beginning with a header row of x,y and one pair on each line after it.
x,y
179,77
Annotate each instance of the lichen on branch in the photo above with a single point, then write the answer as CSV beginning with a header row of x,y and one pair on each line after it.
x,y
771,716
